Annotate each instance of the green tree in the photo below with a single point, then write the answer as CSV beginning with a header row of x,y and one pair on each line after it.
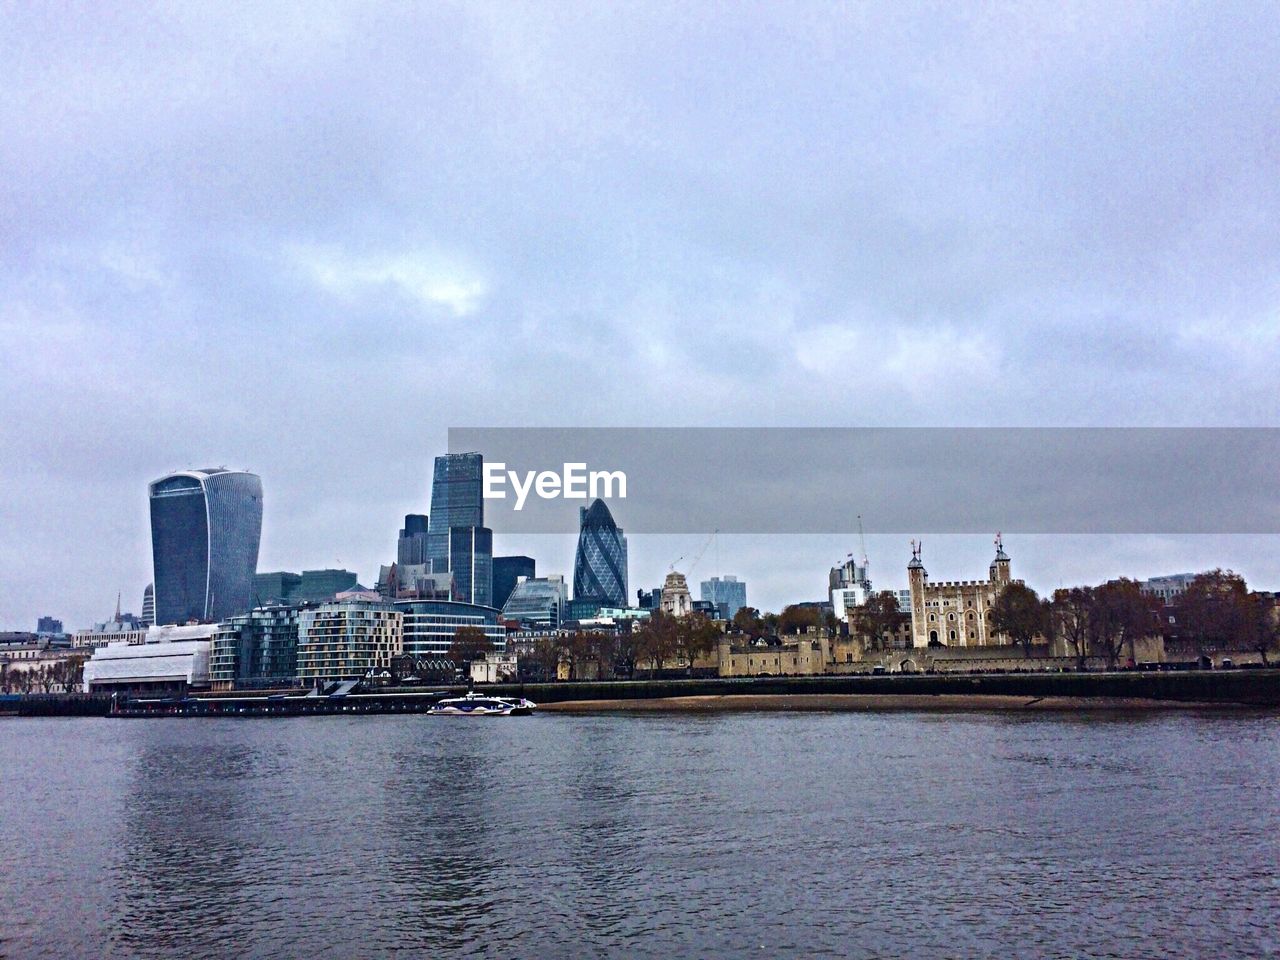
x,y
1019,614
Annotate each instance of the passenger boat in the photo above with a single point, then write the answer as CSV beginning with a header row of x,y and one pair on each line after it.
x,y
478,705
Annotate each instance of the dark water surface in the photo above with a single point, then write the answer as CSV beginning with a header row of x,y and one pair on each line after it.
x,y
648,836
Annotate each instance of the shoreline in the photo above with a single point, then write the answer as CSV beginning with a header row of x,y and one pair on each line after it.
x,y
881,703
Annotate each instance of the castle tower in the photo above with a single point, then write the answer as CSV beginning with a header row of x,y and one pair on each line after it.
x,y
999,570
917,577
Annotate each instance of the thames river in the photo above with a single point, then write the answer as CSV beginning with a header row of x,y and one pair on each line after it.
x,y
722,835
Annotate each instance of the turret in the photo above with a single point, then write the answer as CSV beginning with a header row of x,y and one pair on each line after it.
x,y
999,570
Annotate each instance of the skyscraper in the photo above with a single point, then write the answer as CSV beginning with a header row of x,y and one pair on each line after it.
x,y
149,605
205,529
457,500
727,595
506,571
458,542
600,565
412,546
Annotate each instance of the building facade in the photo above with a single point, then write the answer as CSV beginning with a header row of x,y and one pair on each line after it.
x,y
506,572
955,613
50,625
848,586
430,625
205,530
345,639
537,602
600,563
411,548
149,605
727,594
257,650
675,595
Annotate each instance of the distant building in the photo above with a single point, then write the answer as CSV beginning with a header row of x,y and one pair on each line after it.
x,y
675,595
149,605
727,594
205,529
649,599
430,625
538,602
1169,587
582,608
848,586
345,639
258,649
311,586
415,581
458,542
955,613
49,625
112,631
506,571
412,545
174,667
600,564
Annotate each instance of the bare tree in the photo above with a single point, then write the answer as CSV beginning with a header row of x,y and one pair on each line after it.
x,y
468,645
1121,615
1070,614
1019,614
874,619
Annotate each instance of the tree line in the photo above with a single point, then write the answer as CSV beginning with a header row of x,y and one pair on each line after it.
x,y
57,676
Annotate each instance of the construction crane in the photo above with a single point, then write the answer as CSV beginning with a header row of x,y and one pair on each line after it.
x,y
697,556
862,541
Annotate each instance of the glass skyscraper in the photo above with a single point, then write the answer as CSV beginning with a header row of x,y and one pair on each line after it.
x,y
411,549
457,541
506,571
600,566
728,595
205,529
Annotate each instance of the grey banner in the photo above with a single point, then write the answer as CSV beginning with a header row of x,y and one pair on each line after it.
x,y
900,480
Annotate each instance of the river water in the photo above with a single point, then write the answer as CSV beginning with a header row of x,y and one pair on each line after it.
x,y
727,835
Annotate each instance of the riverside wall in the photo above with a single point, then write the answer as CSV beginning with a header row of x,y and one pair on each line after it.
x,y
1257,688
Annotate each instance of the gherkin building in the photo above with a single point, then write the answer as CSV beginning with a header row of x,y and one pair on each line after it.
x,y
600,567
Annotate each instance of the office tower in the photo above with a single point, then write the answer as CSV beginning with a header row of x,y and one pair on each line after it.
x,y
412,547
538,602
49,625
205,529
728,595
506,572
149,605
470,553
458,542
600,565
457,500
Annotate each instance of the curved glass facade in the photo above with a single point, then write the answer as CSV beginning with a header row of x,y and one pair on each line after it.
x,y
600,565
206,526
430,625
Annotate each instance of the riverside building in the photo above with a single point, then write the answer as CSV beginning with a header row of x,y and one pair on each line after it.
x,y
345,639
429,626
954,613
257,650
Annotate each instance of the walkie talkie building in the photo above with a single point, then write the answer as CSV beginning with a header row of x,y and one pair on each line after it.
x,y
205,529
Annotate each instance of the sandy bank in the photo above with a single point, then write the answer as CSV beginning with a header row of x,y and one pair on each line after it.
x,y
867,703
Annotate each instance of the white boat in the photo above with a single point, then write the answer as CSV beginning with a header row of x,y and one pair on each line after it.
x,y
478,705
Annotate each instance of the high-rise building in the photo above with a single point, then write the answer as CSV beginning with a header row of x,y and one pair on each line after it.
x,y
311,586
727,594
600,565
149,605
506,572
457,500
205,529
48,625
458,542
538,602
412,546
848,586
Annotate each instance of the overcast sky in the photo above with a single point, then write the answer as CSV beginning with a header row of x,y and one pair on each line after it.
x,y
309,242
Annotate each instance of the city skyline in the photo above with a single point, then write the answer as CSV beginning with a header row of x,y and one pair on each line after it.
x,y
773,217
